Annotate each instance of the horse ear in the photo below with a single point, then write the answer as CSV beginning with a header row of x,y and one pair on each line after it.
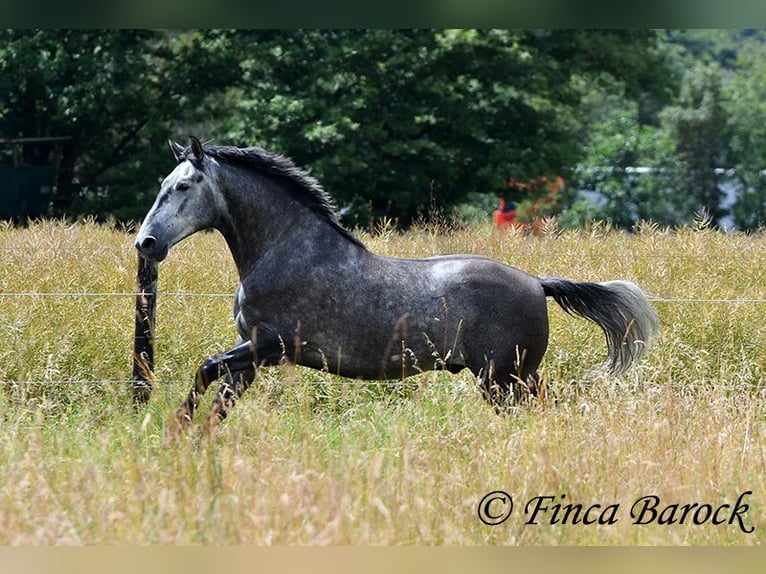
x,y
177,149
196,148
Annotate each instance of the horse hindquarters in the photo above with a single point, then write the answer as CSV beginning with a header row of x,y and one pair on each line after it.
x,y
507,343
515,341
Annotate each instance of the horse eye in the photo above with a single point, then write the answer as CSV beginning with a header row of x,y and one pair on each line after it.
x,y
182,186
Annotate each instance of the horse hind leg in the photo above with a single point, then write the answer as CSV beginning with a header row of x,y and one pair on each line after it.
x,y
494,391
532,389
512,390
496,386
512,384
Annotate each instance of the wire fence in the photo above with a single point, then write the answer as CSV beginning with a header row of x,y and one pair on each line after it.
x,y
350,383
691,386
735,253
189,294
229,295
83,294
338,382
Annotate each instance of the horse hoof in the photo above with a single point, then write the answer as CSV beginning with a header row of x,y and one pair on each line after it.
x,y
212,422
178,425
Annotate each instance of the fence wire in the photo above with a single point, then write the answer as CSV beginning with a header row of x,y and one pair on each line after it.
x,y
413,384
75,294
352,383
195,295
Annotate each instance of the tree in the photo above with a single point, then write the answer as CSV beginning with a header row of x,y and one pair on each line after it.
x,y
117,94
390,120
696,124
746,104
627,162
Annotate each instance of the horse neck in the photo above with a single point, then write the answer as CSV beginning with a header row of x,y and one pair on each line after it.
x,y
265,218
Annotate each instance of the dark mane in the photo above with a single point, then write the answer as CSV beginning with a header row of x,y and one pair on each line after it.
x,y
259,159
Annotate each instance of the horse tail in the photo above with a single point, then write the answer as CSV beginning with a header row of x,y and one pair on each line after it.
x,y
618,307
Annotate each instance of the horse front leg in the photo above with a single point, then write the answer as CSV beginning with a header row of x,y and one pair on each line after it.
x,y
233,387
240,359
268,350
239,365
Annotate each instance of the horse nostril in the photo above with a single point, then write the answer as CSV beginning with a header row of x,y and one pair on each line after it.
x,y
148,243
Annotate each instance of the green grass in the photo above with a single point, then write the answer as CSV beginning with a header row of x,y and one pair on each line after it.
x,y
307,458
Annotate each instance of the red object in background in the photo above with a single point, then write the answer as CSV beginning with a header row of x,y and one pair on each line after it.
x,y
504,215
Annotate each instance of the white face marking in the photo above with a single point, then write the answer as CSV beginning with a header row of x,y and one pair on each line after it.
x,y
187,202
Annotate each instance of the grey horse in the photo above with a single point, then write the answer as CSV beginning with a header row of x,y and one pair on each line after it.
x,y
310,292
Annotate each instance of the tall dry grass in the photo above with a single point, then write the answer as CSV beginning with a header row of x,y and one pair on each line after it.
x,y
312,459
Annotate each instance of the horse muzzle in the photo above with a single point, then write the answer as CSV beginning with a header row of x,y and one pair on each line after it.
x,y
151,248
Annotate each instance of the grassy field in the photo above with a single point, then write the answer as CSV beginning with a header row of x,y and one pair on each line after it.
x,y
311,459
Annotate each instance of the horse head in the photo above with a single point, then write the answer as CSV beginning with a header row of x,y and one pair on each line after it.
x,y
186,203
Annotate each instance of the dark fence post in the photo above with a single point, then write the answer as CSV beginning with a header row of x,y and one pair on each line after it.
x,y
143,340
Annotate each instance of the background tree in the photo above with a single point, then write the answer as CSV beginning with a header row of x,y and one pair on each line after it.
x,y
627,162
391,120
117,95
696,124
746,104
713,123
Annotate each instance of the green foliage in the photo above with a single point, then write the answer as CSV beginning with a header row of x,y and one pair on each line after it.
x,y
474,209
683,147
746,105
117,94
720,47
617,145
390,121
696,124
394,122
